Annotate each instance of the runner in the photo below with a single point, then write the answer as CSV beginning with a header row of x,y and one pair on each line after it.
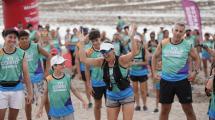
x,y
175,78
55,41
94,75
139,73
33,33
160,35
71,42
205,55
165,34
81,66
115,74
33,53
14,72
57,89
118,45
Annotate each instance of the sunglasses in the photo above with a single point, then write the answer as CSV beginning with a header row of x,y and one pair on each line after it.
x,y
105,51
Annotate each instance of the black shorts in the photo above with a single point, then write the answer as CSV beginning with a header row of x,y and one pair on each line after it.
x,y
180,88
139,78
83,75
98,92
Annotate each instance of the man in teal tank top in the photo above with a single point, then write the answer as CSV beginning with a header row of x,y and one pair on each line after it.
x,y
33,54
13,74
32,34
175,79
94,79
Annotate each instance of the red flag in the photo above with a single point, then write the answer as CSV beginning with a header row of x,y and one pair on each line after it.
x,y
192,14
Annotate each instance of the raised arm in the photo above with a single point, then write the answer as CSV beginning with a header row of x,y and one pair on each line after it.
x,y
82,53
126,59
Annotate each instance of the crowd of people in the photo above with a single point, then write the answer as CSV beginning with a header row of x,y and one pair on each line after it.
x,y
33,69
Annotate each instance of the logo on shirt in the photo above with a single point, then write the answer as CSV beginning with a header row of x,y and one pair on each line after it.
x,y
174,52
60,86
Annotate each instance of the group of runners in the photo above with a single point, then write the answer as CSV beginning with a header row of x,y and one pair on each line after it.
x,y
33,69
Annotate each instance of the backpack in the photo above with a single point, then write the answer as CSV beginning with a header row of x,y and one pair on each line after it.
x,y
122,82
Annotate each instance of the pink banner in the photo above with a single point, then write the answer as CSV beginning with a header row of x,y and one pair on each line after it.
x,y
192,14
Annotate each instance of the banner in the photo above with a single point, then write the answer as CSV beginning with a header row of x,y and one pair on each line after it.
x,y
192,14
20,12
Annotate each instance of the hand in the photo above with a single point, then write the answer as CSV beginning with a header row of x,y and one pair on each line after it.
x,y
192,76
29,97
156,76
85,105
90,90
132,30
39,113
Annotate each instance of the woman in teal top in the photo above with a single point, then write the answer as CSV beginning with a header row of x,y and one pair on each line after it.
x,y
205,55
56,41
115,75
14,73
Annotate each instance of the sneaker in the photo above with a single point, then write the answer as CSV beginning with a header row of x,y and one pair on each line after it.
x,y
90,105
137,108
156,110
145,108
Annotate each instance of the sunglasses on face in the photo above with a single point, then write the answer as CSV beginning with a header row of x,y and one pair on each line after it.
x,y
105,51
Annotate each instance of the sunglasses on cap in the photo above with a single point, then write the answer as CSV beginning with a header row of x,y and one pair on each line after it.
x,y
105,51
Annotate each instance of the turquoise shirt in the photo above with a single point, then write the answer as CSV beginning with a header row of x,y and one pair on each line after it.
x,y
175,60
96,72
11,68
116,93
34,63
59,96
209,44
139,70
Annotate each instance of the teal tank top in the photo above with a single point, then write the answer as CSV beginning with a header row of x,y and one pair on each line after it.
x,y
59,96
11,68
175,60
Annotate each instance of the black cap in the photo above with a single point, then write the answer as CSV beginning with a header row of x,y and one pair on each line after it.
x,y
10,31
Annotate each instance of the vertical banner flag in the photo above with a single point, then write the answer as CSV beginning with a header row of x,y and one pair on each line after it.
x,y
192,14
20,12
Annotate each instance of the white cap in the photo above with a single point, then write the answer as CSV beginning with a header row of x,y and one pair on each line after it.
x,y
106,46
57,60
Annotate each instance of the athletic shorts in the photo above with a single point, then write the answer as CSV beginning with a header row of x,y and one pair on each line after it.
x,y
83,75
99,92
68,117
12,99
139,78
38,89
117,103
182,89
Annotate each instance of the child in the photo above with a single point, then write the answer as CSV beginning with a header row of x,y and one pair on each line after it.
x,y
57,88
157,85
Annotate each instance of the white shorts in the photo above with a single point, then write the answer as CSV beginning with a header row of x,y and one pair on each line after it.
x,y
38,89
12,99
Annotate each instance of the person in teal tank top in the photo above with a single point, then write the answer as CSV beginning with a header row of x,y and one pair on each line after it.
x,y
206,57
56,42
115,74
33,54
139,74
14,73
57,88
94,75
32,34
175,78
80,66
